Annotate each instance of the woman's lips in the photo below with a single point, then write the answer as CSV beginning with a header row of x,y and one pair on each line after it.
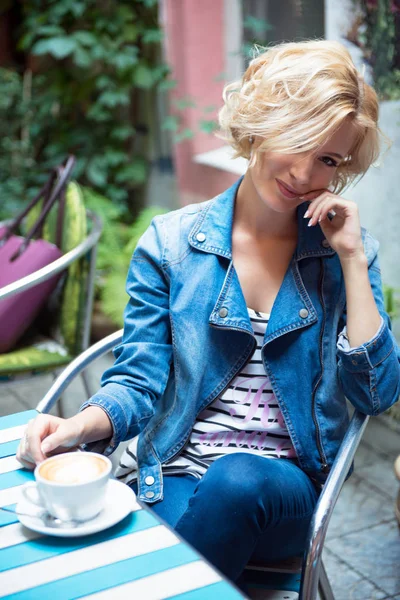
x,y
286,192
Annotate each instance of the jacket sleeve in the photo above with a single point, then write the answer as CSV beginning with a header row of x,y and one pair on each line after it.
x,y
370,374
141,369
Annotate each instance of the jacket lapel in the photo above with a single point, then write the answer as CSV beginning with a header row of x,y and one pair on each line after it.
x,y
293,309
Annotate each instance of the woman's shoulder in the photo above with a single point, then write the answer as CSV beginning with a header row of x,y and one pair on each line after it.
x,y
170,231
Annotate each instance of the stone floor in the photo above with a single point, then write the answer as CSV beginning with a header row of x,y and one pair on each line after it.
x,y
362,550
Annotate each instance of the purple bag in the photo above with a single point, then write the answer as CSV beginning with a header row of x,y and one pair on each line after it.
x,y
22,256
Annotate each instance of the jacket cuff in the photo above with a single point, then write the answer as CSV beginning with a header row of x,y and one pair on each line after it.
x,y
113,412
367,356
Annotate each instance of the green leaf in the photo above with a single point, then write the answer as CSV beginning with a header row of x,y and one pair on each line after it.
x,y
58,47
114,98
186,102
130,32
98,113
167,84
185,134
148,3
114,157
104,82
143,77
26,40
50,30
170,123
160,72
135,173
257,26
122,132
208,126
85,38
152,36
95,172
82,58
127,59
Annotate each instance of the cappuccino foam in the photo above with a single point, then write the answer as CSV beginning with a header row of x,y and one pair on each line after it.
x,y
73,469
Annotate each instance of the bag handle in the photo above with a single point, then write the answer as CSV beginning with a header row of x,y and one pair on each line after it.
x,y
65,172
10,229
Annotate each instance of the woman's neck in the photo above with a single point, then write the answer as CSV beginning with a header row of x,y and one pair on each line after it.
x,y
257,219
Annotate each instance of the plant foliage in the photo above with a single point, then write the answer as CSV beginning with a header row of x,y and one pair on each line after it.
x,y
86,86
377,32
116,246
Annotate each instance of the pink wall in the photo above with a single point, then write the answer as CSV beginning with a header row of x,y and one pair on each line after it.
x,y
194,33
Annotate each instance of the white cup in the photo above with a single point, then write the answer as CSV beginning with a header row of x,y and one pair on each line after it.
x,y
71,486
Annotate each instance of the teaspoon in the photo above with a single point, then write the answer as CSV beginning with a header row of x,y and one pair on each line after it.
x,y
46,518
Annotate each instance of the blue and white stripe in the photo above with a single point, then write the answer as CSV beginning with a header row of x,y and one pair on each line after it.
x,y
139,557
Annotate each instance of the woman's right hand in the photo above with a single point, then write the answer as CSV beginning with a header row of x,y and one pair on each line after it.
x,y
47,435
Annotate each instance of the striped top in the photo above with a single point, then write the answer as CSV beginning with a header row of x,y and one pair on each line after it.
x,y
246,418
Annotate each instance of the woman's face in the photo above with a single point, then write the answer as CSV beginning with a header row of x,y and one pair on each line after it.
x,y
280,179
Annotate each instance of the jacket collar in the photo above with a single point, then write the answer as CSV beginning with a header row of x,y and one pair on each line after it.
x,y
212,231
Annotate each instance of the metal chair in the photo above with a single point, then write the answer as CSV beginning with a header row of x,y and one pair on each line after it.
x,y
312,577
83,256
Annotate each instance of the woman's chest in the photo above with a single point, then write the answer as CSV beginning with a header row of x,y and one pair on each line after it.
x,y
261,270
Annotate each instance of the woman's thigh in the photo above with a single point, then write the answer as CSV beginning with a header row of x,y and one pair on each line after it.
x,y
178,489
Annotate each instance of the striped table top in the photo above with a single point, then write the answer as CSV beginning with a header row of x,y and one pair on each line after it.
x,y
137,558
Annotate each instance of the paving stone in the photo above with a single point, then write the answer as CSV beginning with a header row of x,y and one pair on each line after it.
x,y
380,474
346,583
359,506
367,455
374,553
9,402
378,435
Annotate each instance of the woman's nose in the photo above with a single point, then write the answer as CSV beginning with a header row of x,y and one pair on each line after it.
x,y
301,170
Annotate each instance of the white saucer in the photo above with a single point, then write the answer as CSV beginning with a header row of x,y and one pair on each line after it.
x,y
120,501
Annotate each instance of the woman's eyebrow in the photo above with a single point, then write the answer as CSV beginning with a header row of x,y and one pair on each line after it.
x,y
334,154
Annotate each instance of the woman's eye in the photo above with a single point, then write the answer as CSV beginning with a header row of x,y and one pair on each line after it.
x,y
329,161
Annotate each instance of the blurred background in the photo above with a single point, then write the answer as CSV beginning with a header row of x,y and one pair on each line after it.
x,y
132,88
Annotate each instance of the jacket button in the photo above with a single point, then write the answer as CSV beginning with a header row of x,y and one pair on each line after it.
x,y
149,494
223,312
325,244
149,480
200,237
303,313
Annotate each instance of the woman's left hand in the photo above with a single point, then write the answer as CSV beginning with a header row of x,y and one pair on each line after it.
x,y
343,232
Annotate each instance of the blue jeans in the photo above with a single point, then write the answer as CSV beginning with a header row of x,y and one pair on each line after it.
x,y
244,507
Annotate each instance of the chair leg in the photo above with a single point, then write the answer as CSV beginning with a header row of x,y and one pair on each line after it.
x,y
85,380
324,586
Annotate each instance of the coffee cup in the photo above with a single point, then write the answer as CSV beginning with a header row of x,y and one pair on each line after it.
x,y
71,486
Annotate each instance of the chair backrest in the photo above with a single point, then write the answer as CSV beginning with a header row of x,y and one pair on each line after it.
x,y
68,312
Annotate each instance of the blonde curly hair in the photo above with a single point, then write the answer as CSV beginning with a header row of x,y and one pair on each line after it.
x,y
295,96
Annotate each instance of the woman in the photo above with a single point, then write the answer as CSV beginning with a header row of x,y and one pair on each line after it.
x,y
251,317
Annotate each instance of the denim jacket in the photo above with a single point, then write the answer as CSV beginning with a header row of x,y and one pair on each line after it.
x,y
187,334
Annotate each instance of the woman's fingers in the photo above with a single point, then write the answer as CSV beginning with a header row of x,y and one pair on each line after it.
x,y
29,451
44,436
22,455
327,204
321,211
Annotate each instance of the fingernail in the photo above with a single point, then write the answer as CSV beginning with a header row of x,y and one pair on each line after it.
x,y
306,214
309,223
45,448
320,219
